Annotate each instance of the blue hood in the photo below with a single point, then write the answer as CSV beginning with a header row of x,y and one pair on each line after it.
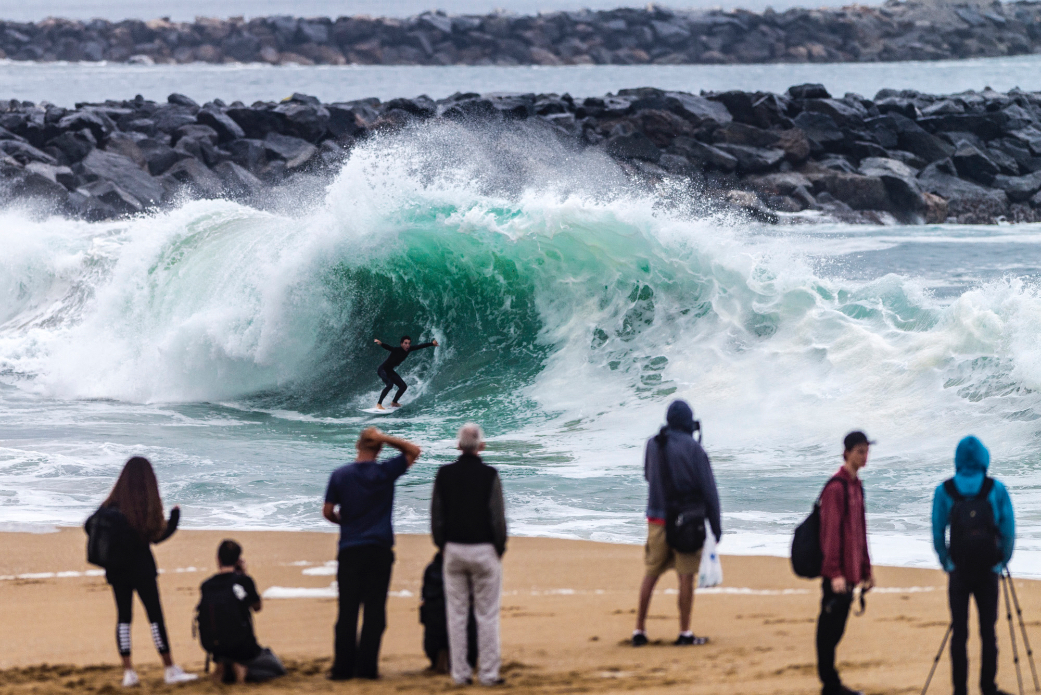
x,y
680,417
971,460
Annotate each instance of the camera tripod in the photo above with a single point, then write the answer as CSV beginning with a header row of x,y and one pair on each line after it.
x,y
1009,589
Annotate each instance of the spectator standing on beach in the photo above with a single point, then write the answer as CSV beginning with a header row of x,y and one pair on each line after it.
x,y
131,520
978,511
225,620
360,499
846,563
688,475
468,521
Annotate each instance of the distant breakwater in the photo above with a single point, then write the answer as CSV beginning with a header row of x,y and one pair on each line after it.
x,y
656,35
801,155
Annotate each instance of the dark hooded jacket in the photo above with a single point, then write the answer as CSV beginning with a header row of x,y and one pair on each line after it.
x,y
689,464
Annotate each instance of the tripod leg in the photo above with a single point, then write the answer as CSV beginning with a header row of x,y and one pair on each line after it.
x,y
1023,630
1012,635
936,661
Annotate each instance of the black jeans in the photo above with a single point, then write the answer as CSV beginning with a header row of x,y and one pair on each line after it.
x,y
148,591
363,578
830,626
984,587
391,379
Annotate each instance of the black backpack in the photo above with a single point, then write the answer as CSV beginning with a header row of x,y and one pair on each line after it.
x,y
807,556
684,513
107,538
975,539
223,626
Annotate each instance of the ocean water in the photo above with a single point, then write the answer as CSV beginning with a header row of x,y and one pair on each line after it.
x,y
187,10
65,84
234,348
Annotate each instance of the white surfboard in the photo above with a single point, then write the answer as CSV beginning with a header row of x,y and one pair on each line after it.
x,y
377,411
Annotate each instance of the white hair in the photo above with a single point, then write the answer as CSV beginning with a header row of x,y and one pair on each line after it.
x,y
471,437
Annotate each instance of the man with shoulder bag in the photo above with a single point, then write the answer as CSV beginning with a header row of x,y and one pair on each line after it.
x,y
978,511
682,495
845,560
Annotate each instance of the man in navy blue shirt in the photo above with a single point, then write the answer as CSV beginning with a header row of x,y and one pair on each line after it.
x,y
360,499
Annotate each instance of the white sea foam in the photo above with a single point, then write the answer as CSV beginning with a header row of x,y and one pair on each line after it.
x,y
570,307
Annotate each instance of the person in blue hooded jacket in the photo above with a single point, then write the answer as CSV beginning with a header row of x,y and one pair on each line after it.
x,y
971,460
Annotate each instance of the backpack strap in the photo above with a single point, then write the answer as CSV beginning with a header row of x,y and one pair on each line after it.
x,y
988,485
952,490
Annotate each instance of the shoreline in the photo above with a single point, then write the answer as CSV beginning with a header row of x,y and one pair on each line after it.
x,y
626,36
567,614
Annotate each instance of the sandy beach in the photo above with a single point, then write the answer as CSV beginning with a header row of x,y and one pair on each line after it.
x,y
567,613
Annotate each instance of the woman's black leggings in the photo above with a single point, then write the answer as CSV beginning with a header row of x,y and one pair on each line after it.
x,y
391,379
148,591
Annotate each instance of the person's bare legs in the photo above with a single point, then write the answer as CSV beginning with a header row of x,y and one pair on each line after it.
x,y
646,591
686,600
167,659
240,672
128,665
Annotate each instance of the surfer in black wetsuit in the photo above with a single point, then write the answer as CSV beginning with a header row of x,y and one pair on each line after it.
x,y
386,370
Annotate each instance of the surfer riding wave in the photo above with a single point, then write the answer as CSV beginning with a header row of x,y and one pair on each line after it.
x,y
386,370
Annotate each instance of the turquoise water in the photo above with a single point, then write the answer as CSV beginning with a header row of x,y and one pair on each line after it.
x,y
234,347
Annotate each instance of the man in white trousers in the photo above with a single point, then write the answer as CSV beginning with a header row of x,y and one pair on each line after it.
x,y
468,521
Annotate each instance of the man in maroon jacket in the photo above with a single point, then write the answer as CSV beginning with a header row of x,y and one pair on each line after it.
x,y
846,562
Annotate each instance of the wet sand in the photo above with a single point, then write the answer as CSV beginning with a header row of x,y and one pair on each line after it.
x,y
568,610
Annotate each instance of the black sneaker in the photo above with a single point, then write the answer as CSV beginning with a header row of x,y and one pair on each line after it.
x,y
688,640
639,639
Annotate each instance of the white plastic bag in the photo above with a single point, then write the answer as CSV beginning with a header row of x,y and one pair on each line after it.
x,y
711,571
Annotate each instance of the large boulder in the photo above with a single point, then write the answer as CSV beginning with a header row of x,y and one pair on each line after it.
x,y
123,172
633,146
857,191
222,124
972,163
239,183
901,184
966,201
697,151
194,176
697,109
296,152
752,160
1018,188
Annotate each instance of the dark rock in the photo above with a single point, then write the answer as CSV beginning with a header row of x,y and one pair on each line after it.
x,y
855,190
751,160
820,129
965,199
196,132
296,152
1018,188
98,126
742,134
125,174
255,123
225,127
901,184
808,91
169,118
700,152
74,146
200,181
971,163
181,100
113,197
305,121
697,109
749,204
249,154
24,152
633,146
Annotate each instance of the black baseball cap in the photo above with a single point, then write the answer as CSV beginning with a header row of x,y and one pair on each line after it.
x,y
854,438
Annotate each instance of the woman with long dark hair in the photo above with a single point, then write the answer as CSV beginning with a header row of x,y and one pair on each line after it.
x,y
136,497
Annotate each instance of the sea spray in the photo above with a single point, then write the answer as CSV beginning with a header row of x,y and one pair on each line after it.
x,y
234,347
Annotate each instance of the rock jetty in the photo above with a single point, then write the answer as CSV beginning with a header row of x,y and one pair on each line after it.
x,y
911,30
797,156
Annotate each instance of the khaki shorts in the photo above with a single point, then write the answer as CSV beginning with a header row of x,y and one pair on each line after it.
x,y
658,557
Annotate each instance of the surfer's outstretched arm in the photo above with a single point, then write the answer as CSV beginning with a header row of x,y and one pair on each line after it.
x,y
384,345
432,343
